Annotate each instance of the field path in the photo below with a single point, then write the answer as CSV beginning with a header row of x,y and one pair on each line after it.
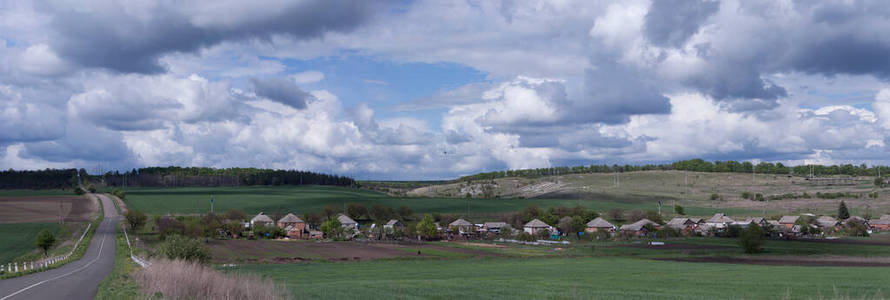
x,y
76,280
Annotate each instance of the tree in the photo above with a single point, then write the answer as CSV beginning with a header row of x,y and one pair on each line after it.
x,y
313,220
842,212
330,210
355,210
751,239
45,240
426,227
235,215
332,228
679,210
879,182
405,212
616,214
381,213
135,218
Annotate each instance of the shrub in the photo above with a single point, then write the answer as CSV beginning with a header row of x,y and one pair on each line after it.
x,y
746,195
79,191
751,239
272,232
543,234
235,215
525,236
733,231
856,228
667,231
135,219
715,196
758,197
183,248
332,228
119,193
169,226
679,210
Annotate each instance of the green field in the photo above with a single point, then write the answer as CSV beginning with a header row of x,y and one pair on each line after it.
x,y
18,239
575,278
302,199
34,193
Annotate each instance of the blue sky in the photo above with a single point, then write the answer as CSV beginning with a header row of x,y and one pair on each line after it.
x,y
383,89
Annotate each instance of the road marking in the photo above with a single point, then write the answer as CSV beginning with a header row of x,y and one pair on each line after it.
x,y
101,245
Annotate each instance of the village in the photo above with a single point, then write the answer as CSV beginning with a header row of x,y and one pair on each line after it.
x,y
719,225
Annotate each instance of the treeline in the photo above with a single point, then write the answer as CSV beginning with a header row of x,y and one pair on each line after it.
x,y
39,179
167,177
194,176
695,165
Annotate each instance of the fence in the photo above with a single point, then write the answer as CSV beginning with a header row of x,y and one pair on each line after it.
x,y
140,261
45,263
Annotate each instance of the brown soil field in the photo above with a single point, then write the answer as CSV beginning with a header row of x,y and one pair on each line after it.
x,y
675,246
46,209
266,251
803,261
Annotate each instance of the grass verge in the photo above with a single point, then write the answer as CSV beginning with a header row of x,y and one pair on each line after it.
x,y
120,284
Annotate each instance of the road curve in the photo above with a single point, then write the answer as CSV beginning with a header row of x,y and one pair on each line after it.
x,y
75,280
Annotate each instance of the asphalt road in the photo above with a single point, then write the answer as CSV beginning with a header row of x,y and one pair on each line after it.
x,y
76,280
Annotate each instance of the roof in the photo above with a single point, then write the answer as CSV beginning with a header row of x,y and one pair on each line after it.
x,y
757,220
826,221
679,222
495,224
720,218
856,218
261,218
290,218
536,224
885,217
460,222
879,222
696,220
344,219
636,226
773,222
392,222
788,219
600,223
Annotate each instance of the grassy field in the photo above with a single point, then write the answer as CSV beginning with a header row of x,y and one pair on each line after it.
x,y
301,199
575,278
34,193
18,239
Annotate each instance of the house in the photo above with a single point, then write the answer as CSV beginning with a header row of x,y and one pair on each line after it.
x,y
719,221
293,225
599,225
462,226
638,228
857,219
882,224
493,227
290,220
684,225
393,225
788,221
533,226
347,222
261,220
827,223
762,222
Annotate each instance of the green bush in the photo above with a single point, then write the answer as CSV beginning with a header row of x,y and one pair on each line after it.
x,y
271,232
679,210
45,240
79,191
135,219
746,195
758,197
715,196
179,247
751,239
525,236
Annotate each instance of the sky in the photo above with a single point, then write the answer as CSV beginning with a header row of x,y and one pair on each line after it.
x,y
420,90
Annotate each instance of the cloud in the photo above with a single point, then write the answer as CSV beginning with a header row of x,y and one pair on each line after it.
x,y
281,91
672,22
307,77
130,37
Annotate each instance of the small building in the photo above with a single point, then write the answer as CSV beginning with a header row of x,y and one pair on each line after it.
x,y
882,224
599,225
719,221
638,228
827,223
762,222
462,226
393,225
493,227
533,226
684,225
293,225
788,221
316,234
857,219
347,222
261,220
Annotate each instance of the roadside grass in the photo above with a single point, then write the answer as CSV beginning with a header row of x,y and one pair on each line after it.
x,y
302,199
589,278
120,284
436,253
34,193
18,239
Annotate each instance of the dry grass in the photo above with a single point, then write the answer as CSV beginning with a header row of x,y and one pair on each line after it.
x,y
176,279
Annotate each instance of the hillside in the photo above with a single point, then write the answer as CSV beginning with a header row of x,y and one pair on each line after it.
x,y
672,186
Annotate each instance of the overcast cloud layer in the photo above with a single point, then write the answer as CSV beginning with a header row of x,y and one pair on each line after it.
x,y
142,83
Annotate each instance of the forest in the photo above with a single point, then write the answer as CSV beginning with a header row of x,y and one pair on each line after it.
x,y
694,165
167,177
